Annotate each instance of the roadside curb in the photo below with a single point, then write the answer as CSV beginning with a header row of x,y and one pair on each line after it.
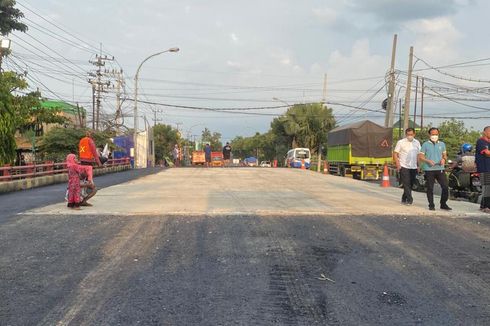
x,y
24,184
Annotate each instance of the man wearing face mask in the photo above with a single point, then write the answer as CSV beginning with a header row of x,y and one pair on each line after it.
x,y
433,157
405,156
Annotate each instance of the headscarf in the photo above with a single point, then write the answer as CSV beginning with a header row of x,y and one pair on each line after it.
x,y
71,160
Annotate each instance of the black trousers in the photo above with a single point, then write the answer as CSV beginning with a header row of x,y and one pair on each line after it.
x,y
407,178
441,178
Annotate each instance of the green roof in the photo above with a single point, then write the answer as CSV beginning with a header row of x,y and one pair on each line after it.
x,y
411,124
63,106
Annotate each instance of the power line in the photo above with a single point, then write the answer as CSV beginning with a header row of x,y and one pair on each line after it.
x,y
55,35
38,49
56,26
452,75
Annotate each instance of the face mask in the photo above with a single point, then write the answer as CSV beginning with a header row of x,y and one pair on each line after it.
x,y
410,138
434,138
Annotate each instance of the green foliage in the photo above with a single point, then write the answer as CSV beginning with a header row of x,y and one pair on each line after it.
x,y
19,112
454,134
214,139
303,125
307,125
165,139
10,18
59,142
15,111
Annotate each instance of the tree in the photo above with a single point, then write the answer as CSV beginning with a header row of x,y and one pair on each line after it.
x,y
14,112
10,18
454,134
305,125
165,137
214,139
59,142
9,21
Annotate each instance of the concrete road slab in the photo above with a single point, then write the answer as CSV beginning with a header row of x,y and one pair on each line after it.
x,y
229,191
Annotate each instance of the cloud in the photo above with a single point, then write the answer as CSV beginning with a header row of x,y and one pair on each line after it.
x,y
325,15
234,38
233,64
436,38
280,56
405,10
359,63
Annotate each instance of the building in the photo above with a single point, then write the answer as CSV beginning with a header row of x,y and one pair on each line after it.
x,y
399,132
76,118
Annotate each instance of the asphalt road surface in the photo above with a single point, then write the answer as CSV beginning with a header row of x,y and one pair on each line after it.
x,y
244,247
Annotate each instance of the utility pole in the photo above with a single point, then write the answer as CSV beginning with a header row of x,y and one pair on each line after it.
x,y
400,120
406,113
422,106
391,87
324,100
155,118
415,104
119,85
93,106
117,75
99,86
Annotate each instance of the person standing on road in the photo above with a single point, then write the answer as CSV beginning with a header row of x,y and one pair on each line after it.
x,y
405,156
207,154
433,157
227,153
482,159
176,155
88,151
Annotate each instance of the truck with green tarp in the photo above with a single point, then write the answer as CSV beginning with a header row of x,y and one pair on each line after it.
x,y
359,150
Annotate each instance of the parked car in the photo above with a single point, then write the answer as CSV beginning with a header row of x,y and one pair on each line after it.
x,y
265,164
250,161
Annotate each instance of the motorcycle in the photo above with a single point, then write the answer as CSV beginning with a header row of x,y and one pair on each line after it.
x,y
464,184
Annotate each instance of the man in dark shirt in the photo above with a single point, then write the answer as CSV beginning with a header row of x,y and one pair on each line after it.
x,y
482,159
207,154
227,153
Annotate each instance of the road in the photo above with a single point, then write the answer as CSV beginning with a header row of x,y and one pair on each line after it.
x,y
245,247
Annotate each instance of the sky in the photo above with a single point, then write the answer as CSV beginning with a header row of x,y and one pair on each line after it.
x,y
260,54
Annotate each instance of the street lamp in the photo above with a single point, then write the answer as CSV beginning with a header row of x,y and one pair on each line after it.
x,y
4,45
135,135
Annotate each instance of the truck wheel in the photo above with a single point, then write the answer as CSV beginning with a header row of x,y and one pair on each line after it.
x,y
342,171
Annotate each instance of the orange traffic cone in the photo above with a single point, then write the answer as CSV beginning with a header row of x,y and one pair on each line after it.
x,y
325,167
303,167
386,177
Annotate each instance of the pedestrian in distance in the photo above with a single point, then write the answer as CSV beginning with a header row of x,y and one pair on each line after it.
x,y
227,154
482,159
176,155
405,156
75,171
433,157
207,154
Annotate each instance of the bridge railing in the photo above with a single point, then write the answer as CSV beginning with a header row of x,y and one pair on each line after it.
x,y
8,173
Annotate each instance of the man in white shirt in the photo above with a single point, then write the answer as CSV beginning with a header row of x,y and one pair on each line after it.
x,y
405,157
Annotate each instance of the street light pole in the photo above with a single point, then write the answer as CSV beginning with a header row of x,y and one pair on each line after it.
x,y
4,45
135,132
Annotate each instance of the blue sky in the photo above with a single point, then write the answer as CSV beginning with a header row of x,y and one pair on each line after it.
x,y
237,54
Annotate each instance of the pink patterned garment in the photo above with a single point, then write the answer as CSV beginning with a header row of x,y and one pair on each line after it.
x,y
74,171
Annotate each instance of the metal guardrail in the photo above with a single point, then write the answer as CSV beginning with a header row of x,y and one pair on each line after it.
x,y
9,173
